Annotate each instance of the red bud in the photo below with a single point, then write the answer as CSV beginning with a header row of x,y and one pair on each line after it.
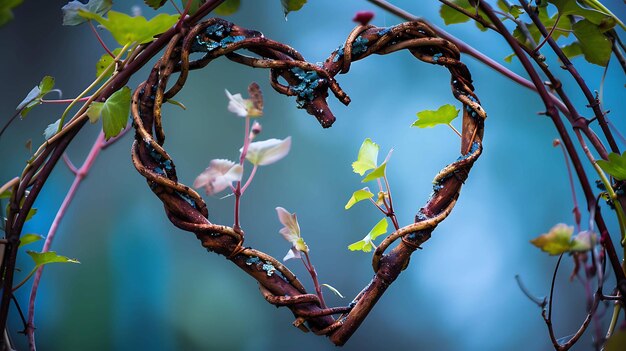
x,y
363,17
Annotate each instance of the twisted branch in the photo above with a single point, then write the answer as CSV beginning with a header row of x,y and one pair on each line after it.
x,y
309,83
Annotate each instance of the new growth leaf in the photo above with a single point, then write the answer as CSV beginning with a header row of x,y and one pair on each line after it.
x,y
367,243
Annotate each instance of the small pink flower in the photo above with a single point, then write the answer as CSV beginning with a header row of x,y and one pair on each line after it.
x,y
218,176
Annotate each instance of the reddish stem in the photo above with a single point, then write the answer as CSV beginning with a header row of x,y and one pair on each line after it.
x,y
80,174
313,273
575,210
95,32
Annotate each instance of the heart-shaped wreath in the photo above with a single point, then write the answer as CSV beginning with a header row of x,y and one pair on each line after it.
x,y
310,84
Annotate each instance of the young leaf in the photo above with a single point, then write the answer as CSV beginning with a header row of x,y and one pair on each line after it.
x,y
29,239
42,258
35,95
335,291
262,153
51,129
31,213
367,243
379,172
104,62
359,195
291,232
228,7
292,5
559,240
155,4
367,158
71,16
615,166
430,118
5,10
128,29
594,44
218,176
114,112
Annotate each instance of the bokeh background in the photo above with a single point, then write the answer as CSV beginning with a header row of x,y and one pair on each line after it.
x,y
144,285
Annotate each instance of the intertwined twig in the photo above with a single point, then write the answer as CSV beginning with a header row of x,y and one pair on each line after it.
x,y
310,84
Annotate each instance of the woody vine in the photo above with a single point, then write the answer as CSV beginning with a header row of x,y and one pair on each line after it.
x,y
109,100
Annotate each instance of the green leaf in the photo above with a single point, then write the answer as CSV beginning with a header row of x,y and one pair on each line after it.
x,y
379,172
155,4
367,243
228,7
114,112
35,95
5,194
429,118
6,14
509,58
335,291
559,240
367,158
104,62
193,7
71,16
617,341
31,213
572,50
128,29
359,195
361,246
597,5
615,166
43,258
176,103
596,47
570,7
452,16
51,129
29,239
292,5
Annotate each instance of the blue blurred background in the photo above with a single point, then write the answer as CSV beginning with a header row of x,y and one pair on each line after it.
x,y
143,284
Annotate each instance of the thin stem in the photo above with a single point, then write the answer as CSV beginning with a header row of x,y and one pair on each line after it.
x,y
391,214
539,302
621,217
102,76
567,64
81,173
552,112
378,207
238,191
545,40
65,101
313,273
252,173
616,310
95,32
455,130
11,183
69,164
176,7
575,210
